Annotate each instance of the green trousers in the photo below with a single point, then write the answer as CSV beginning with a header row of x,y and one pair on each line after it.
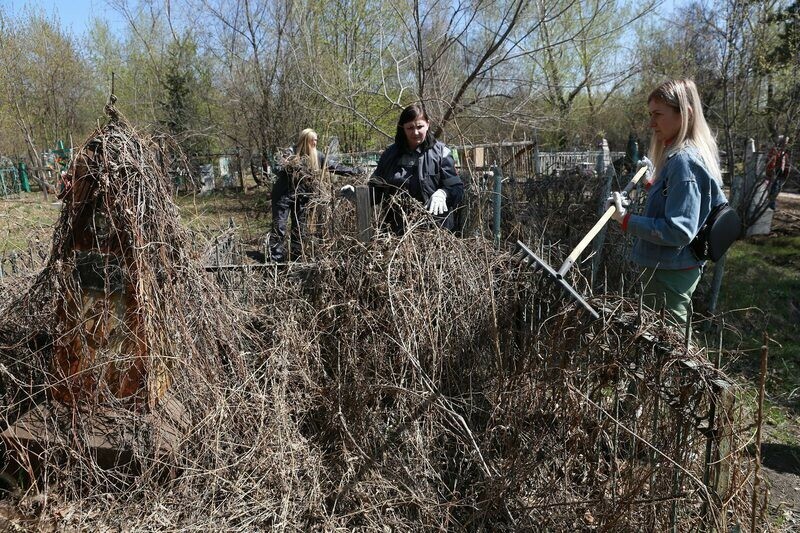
x,y
671,289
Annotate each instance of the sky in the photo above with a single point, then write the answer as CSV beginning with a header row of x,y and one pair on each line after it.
x,y
75,15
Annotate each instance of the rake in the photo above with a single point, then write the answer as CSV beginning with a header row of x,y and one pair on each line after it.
x,y
558,276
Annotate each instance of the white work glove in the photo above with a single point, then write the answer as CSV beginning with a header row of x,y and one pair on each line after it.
x,y
645,162
621,203
610,200
348,191
438,203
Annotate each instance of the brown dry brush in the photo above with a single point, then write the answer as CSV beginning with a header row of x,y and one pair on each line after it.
x,y
120,314
562,208
416,382
443,404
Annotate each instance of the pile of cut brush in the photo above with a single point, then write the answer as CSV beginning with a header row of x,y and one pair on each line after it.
x,y
414,382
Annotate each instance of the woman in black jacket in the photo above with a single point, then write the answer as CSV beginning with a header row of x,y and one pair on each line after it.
x,y
293,190
422,167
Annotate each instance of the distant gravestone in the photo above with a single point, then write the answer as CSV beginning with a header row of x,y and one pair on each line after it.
x,y
478,155
207,178
603,157
753,181
225,173
763,225
604,167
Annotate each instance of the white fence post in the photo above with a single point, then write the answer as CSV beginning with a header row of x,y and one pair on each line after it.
x,y
604,162
756,193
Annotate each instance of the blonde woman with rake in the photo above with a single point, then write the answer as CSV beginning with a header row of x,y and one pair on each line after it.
x,y
686,187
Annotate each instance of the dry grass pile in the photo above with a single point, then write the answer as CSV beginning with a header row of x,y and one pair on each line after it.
x,y
562,208
122,321
415,382
441,397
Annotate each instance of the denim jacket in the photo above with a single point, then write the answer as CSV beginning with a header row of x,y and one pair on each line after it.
x,y
678,204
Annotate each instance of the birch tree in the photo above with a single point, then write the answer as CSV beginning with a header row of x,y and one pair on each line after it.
x,y
47,91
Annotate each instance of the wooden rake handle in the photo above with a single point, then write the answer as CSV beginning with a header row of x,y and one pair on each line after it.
x,y
576,253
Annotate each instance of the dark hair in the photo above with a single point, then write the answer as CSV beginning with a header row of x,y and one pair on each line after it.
x,y
409,114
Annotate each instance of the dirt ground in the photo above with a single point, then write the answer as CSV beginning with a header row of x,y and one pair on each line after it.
x,y
787,217
781,471
781,462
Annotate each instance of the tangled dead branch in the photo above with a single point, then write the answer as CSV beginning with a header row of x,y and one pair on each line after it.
x,y
414,382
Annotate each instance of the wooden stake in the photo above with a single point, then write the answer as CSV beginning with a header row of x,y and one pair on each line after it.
x,y
760,417
363,213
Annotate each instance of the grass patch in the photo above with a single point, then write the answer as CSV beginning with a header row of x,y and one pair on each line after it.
x,y
761,292
764,274
777,417
211,214
26,218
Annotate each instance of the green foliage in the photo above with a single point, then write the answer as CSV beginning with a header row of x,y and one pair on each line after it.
x,y
185,88
253,74
761,290
47,90
785,51
178,86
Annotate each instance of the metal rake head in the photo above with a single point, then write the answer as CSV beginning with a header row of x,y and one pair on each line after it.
x,y
538,264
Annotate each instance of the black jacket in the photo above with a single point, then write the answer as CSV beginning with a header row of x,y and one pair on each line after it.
x,y
420,172
284,184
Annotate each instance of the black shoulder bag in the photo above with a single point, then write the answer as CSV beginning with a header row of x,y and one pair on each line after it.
x,y
721,229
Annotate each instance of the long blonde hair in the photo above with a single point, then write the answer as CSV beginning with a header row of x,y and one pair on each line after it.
x,y
305,151
682,96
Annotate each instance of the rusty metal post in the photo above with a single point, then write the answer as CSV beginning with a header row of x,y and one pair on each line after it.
x,y
688,329
497,205
217,258
724,435
676,484
239,167
710,433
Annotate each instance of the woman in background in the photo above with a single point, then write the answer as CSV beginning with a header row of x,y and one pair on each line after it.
x,y
420,166
293,188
